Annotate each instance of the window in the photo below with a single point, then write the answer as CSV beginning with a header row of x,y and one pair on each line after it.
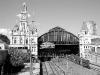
x,y
32,41
14,40
32,32
93,49
33,49
86,56
21,40
14,30
27,41
85,32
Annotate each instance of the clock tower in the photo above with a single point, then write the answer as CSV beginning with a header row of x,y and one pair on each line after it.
x,y
23,18
24,36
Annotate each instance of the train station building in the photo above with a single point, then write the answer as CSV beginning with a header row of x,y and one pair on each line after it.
x,y
89,42
24,35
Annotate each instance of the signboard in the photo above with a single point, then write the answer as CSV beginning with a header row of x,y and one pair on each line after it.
x,y
47,45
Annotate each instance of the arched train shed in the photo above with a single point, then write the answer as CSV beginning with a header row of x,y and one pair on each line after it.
x,y
61,40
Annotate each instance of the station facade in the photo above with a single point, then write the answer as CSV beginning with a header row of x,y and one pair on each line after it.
x,y
89,42
24,35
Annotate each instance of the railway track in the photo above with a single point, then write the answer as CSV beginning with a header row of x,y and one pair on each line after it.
x,y
49,68
98,70
54,69
95,67
45,72
60,71
50,71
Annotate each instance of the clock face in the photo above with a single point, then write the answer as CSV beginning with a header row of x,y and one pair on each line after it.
x,y
23,16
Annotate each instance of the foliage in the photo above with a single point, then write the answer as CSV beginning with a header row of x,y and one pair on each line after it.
x,y
4,38
18,57
3,55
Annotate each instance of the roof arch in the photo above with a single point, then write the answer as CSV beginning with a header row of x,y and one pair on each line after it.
x,y
58,35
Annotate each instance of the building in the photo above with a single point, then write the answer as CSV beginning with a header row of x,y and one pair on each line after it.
x,y
24,35
89,42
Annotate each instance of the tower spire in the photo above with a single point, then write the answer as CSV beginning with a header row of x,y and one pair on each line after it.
x,y
33,18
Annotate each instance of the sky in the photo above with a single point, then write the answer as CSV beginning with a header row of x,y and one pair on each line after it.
x,y
67,14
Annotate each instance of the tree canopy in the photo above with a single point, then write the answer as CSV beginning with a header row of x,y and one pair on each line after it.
x,y
4,38
18,57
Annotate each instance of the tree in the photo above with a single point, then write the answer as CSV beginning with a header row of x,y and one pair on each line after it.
x,y
4,38
18,57
3,57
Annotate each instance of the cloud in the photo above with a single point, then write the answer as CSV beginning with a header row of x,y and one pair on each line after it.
x,y
5,32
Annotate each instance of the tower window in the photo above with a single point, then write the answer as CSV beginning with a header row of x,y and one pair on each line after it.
x,y
32,32
14,40
85,32
21,40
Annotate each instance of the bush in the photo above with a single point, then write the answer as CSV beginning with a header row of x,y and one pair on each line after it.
x,y
85,63
18,57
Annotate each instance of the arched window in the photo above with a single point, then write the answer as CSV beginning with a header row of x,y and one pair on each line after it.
x,y
21,40
86,32
32,32
14,40
27,41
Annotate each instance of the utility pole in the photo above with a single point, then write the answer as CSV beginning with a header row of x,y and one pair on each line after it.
x,y
81,59
30,54
67,62
30,63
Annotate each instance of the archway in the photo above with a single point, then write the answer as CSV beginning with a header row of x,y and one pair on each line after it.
x,y
63,42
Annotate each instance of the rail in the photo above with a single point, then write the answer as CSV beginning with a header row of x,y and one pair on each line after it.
x,y
57,67
54,69
44,65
